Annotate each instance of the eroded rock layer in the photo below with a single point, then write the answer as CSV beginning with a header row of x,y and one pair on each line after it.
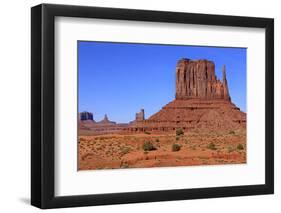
x,y
195,115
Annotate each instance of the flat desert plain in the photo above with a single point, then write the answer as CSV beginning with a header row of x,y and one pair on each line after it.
x,y
143,150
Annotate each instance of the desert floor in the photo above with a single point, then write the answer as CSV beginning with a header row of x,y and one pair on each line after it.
x,y
114,151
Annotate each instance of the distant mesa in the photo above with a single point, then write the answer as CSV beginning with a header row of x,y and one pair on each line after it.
x,y
84,116
88,116
202,103
101,127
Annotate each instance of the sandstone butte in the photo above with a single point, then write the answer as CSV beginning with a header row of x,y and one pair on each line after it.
x,y
202,104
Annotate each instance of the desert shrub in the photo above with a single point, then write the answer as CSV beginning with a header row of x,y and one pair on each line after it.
x,y
124,165
177,138
231,132
230,149
148,146
240,146
176,147
179,132
99,148
211,146
125,150
148,133
157,140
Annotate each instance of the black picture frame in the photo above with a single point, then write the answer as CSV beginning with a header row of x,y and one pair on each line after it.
x,y
43,114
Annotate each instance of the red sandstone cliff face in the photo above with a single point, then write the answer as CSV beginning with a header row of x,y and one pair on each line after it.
x,y
197,79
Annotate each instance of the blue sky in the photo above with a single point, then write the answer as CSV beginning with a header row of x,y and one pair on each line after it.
x,y
118,79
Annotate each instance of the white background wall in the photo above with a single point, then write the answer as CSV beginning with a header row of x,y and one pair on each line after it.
x,y
15,98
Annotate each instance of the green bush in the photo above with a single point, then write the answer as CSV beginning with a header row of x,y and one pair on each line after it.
x,y
148,133
157,140
148,146
231,132
230,149
240,146
177,138
211,146
176,147
179,132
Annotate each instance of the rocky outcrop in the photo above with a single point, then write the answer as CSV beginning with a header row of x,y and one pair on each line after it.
x,y
197,79
140,115
105,121
84,116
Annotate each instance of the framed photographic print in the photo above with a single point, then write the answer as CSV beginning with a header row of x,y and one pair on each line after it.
x,y
139,106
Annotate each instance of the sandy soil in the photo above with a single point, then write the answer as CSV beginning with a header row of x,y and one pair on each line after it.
x,y
127,151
